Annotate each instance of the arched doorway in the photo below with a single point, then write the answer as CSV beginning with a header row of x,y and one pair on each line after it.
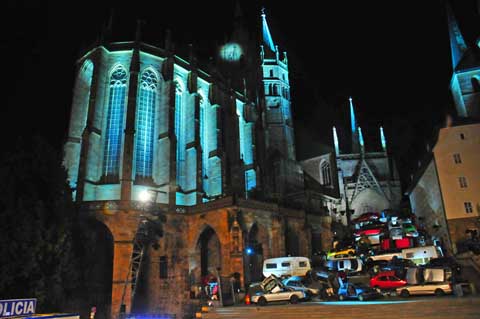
x,y
253,261
98,272
292,246
209,247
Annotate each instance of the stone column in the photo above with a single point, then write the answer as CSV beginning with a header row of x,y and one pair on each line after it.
x,y
127,171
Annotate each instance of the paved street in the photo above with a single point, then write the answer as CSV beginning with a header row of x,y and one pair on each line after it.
x,y
426,307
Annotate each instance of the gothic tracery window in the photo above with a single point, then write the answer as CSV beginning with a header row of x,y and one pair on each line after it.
x,y
115,116
145,129
325,173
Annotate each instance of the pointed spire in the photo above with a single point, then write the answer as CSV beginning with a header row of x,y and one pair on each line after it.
x,y
352,116
360,140
267,37
354,128
335,141
457,43
383,140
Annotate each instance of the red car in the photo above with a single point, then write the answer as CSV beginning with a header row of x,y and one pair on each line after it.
x,y
369,230
366,217
387,280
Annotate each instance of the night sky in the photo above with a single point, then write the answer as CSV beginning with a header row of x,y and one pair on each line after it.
x,y
393,58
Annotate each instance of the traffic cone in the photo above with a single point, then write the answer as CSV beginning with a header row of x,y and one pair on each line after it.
x,y
247,299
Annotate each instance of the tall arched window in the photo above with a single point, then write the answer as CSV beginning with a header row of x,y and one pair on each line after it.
x,y
270,89
145,124
325,173
275,89
115,114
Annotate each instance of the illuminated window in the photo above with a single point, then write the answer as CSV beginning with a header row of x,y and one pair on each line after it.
x,y
463,182
114,130
144,134
457,158
325,171
468,207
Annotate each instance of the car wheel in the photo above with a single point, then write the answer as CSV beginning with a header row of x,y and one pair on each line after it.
x,y
439,292
341,297
262,301
405,293
294,299
361,297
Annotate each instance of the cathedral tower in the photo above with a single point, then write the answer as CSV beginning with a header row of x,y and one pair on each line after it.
x,y
278,116
465,82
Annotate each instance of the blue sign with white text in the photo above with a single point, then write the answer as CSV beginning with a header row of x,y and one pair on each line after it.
x,y
17,307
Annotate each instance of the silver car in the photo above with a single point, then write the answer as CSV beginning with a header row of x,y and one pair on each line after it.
x,y
296,283
432,288
286,294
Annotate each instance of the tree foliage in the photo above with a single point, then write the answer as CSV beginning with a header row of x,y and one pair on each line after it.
x,y
37,227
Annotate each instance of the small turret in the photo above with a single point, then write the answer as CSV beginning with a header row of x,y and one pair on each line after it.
x,y
335,141
383,140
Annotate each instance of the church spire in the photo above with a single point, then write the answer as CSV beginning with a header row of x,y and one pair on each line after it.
x,y
267,37
354,128
383,140
335,141
360,140
457,43
352,116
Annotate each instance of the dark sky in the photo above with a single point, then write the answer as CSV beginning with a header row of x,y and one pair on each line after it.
x,y
392,57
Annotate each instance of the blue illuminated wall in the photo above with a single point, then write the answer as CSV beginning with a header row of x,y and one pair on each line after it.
x,y
78,120
115,121
211,163
245,132
186,154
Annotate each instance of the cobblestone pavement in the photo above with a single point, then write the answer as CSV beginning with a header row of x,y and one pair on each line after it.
x,y
414,307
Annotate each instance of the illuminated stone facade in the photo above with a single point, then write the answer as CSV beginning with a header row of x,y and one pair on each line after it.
x,y
220,159
444,194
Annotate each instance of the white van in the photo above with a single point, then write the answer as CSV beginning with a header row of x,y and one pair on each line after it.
x,y
421,255
286,266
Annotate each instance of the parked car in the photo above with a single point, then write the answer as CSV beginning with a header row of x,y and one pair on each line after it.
x,y
410,230
341,253
375,266
346,264
286,266
396,232
386,255
272,289
436,288
299,283
369,230
357,291
387,280
366,217
443,262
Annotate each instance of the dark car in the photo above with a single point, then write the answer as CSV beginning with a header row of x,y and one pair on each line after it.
x,y
443,262
400,266
375,266
357,291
